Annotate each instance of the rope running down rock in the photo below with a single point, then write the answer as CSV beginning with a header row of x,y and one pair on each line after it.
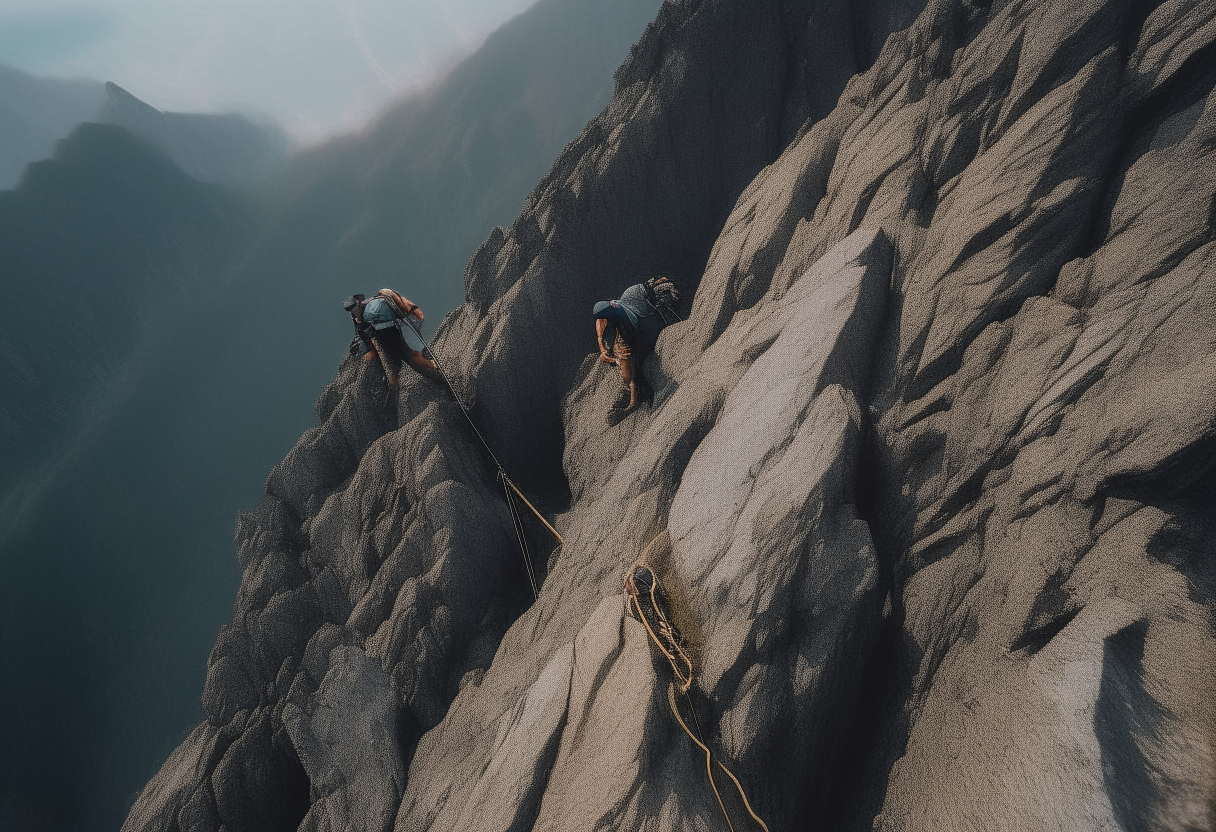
x,y
684,686
508,485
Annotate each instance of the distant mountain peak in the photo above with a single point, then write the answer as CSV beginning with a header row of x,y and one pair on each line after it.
x,y
116,96
36,112
226,147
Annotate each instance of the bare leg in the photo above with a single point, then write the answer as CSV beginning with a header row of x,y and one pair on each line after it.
x,y
624,360
626,365
420,362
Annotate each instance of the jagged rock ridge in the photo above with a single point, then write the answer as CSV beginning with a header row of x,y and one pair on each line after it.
x,y
36,112
225,147
929,466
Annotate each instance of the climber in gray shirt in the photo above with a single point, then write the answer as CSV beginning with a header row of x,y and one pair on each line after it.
x,y
626,330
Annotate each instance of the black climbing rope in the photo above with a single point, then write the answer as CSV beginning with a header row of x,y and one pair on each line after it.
x,y
663,313
520,536
509,487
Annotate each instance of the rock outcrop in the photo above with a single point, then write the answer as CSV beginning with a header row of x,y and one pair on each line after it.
x,y
928,472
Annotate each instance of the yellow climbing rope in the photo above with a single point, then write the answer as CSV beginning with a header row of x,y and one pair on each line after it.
x,y
668,642
508,485
681,664
539,516
671,700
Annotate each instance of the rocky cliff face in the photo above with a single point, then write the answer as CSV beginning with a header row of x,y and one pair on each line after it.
x,y
162,342
928,472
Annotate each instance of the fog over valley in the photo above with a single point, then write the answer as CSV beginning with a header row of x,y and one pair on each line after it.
x,y
172,284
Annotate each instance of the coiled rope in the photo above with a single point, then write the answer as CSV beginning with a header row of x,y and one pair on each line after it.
x,y
664,635
667,639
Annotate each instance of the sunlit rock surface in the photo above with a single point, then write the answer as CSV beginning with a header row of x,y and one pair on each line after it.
x,y
928,473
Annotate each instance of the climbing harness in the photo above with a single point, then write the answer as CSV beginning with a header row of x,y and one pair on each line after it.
x,y
510,489
365,331
648,601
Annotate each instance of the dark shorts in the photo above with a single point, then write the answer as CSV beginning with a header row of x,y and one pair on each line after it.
x,y
394,345
639,341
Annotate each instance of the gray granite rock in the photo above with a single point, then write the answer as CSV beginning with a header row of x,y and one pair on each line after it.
x,y
180,794
346,737
927,476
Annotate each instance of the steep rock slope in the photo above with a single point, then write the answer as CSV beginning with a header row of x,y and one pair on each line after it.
x,y
928,471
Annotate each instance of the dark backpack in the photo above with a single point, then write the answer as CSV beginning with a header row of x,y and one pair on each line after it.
x,y
363,330
664,297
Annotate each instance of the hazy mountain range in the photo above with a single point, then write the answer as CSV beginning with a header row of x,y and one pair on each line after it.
x,y
37,112
163,340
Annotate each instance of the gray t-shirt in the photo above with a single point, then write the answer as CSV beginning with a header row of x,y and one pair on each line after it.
x,y
633,301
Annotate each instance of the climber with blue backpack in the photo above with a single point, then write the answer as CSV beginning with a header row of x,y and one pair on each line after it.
x,y
626,330
383,329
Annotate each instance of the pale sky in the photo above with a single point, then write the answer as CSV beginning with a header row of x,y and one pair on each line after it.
x,y
316,67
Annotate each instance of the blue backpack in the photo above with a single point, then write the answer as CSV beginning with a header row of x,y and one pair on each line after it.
x,y
380,312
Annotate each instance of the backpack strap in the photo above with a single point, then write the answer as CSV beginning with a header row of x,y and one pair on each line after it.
x,y
399,303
